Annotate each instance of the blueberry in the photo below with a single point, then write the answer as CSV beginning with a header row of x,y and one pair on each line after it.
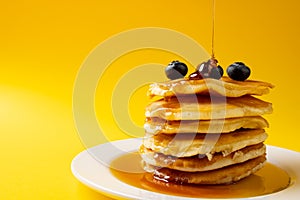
x,y
216,72
176,70
238,71
208,69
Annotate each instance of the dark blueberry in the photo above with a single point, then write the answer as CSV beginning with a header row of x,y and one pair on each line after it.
x,y
195,76
216,72
176,70
238,71
209,69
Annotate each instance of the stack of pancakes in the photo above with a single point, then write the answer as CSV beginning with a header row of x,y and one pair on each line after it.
x,y
205,131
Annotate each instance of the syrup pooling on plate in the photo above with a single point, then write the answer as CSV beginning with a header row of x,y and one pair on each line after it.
x,y
269,179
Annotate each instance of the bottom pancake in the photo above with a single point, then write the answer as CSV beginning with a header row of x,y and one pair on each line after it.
x,y
224,175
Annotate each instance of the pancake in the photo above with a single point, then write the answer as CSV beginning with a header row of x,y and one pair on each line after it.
x,y
206,108
157,126
225,87
225,175
200,163
185,145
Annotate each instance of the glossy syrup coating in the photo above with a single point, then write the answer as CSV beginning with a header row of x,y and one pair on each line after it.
x,y
208,69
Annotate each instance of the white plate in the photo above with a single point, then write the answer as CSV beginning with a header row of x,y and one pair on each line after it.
x,y
97,175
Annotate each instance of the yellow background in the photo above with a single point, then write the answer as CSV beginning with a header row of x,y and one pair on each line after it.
x,y
44,43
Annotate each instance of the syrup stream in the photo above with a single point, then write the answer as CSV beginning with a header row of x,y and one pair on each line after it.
x,y
213,29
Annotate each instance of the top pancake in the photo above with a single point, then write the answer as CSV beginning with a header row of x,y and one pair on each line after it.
x,y
225,87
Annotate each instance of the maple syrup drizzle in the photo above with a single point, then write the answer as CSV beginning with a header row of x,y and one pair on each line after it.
x,y
213,29
269,179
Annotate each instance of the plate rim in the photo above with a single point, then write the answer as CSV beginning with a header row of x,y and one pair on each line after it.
x,y
133,144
